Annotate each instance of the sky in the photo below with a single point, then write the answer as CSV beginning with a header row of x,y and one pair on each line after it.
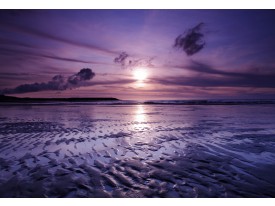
x,y
138,54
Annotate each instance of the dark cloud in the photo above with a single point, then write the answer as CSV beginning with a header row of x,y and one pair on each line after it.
x,y
121,59
82,75
58,82
191,42
129,62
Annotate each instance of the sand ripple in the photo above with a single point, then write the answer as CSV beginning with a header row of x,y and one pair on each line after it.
x,y
137,151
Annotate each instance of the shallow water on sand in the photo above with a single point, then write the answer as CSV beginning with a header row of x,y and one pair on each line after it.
x,y
137,151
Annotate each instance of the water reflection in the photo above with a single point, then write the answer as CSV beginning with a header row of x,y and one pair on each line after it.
x,y
140,115
140,127
140,119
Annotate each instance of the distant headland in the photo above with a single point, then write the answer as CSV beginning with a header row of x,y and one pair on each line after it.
x,y
11,99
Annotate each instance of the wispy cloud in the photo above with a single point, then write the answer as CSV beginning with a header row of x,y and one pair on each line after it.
x,y
6,51
216,78
250,72
128,61
39,33
6,41
118,81
122,59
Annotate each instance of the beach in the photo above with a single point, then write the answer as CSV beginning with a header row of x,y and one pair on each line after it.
x,y
137,150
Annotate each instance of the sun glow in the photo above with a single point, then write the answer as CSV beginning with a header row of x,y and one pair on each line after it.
x,y
140,74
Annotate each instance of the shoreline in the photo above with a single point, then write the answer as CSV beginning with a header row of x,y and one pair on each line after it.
x,y
10,100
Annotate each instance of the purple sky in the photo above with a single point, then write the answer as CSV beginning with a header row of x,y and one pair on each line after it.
x,y
235,60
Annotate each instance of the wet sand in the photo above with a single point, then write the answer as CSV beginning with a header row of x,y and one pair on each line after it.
x,y
137,151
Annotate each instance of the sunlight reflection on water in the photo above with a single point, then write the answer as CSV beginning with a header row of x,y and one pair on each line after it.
x,y
140,115
141,126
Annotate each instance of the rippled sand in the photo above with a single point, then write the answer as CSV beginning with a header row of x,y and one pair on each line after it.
x,y
137,151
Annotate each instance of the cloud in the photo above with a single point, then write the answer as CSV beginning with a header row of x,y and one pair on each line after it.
x,y
58,82
35,32
121,59
111,83
6,41
203,68
82,75
129,62
191,42
210,77
248,81
12,52
249,73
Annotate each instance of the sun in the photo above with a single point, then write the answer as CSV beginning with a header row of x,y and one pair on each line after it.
x,y
140,74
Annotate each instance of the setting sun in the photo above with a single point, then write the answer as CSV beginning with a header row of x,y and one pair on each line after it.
x,y
140,74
